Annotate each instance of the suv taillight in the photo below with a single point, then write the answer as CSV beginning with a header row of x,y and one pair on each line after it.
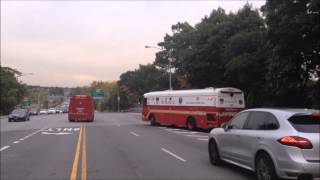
x,y
316,114
296,141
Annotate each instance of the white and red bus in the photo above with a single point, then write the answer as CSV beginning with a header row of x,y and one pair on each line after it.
x,y
197,108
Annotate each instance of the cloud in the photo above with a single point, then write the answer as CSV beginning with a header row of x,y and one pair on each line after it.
x,y
70,43
84,78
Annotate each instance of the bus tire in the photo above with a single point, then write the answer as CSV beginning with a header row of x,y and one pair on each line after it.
x,y
152,120
191,124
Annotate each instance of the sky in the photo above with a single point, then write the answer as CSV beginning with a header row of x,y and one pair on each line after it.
x,y
72,43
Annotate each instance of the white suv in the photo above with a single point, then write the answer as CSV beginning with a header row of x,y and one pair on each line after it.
x,y
272,142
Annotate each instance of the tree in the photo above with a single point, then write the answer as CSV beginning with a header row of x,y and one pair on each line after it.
x,y
293,32
245,55
108,88
222,50
11,90
146,78
133,84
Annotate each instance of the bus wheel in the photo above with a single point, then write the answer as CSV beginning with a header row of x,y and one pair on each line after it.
x,y
153,121
191,124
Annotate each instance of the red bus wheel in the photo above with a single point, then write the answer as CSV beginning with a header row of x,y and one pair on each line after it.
x,y
153,121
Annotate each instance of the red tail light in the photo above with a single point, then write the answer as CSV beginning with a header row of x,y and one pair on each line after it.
x,y
296,141
316,114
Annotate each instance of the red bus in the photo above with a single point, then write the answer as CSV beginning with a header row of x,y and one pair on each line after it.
x,y
197,108
81,108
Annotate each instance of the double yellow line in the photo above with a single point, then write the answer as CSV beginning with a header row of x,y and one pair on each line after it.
x,y
74,170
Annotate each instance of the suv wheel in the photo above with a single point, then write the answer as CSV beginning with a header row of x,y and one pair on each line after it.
x,y
264,168
214,153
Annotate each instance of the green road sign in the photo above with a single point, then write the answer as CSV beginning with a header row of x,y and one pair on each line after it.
x,y
25,102
97,95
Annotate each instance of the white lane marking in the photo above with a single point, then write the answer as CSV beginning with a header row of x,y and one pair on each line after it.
x,y
198,136
4,147
59,133
174,155
49,129
61,129
67,129
135,134
29,135
203,139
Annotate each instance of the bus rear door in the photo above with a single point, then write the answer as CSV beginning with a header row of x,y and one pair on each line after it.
x,y
229,102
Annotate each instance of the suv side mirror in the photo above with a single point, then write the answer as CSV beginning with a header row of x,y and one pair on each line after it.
x,y
227,127
223,125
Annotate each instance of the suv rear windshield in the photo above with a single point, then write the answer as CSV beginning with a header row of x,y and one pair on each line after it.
x,y
306,123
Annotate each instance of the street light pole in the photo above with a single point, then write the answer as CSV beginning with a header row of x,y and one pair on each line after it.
x,y
169,59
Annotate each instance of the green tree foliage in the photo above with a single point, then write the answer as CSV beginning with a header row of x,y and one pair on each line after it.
x,y
293,33
244,55
56,91
146,78
79,90
133,84
11,90
222,50
109,89
274,59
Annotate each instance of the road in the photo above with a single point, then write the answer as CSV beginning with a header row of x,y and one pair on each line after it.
x,y
114,146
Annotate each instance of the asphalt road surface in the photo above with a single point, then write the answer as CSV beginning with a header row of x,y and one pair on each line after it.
x,y
114,146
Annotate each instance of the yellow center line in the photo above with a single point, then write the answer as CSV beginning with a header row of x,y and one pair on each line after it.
x,y
74,169
84,157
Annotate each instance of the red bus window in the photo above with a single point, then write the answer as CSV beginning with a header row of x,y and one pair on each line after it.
x,y
211,117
